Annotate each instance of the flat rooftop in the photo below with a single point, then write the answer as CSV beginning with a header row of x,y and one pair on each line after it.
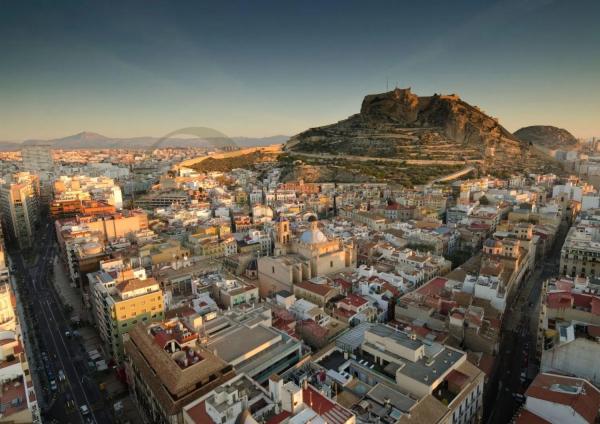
x,y
398,336
381,393
354,337
241,341
333,361
14,397
438,359
429,369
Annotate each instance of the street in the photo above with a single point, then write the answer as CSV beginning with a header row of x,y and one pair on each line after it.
x,y
517,354
59,361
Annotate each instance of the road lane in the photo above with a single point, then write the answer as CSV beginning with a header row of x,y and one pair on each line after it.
x,y
50,321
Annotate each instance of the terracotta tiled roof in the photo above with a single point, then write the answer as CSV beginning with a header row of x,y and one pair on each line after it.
x,y
354,300
564,285
527,417
486,364
582,300
279,417
433,287
457,378
596,306
559,300
593,330
171,384
585,400
393,290
457,315
320,289
345,313
135,284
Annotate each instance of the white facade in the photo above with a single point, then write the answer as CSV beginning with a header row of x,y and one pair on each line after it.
x,y
37,158
555,413
590,202
570,191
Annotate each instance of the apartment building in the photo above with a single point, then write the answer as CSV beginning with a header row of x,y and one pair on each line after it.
x,y
161,199
557,399
229,293
116,226
580,254
60,209
423,381
246,339
167,368
230,403
121,298
18,400
569,328
37,157
83,187
20,202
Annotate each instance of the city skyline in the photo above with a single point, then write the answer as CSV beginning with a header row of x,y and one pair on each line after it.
x,y
126,70
341,212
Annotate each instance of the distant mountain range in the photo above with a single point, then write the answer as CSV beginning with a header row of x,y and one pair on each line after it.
x,y
91,140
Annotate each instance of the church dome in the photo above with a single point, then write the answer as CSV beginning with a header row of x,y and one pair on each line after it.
x,y
313,236
493,243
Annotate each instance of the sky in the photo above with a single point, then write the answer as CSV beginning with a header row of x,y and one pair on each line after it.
x,y
259,68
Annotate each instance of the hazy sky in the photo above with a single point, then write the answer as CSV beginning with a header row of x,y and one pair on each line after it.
x,y
259,68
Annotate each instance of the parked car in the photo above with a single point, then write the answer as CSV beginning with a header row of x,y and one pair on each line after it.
x,y
519,397
53,385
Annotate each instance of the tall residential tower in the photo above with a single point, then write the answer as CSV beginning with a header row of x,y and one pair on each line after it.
x,y
20,205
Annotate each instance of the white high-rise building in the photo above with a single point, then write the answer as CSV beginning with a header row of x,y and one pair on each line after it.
x,y
38,158
19,202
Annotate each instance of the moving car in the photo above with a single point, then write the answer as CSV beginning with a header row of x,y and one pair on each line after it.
x,y
69,400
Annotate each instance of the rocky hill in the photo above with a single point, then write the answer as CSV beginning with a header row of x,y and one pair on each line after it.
x,y
419,130
547,136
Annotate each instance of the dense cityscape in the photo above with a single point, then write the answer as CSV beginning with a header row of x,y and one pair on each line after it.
x,y
266,212
138,287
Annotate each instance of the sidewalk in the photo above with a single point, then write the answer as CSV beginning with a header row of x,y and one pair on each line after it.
x,y
68,294
90,338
